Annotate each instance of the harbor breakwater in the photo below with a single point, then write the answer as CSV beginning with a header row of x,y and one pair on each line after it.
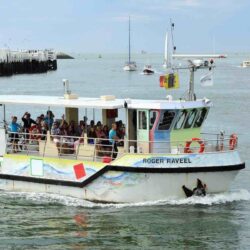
x,y
26,61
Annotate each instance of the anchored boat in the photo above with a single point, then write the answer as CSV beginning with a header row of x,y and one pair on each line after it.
x,y
130,65
245,64
162,155
148,70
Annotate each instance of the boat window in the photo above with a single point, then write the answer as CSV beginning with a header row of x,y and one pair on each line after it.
x,y
152,118
200,117
181,119
166,120
190,118
142,120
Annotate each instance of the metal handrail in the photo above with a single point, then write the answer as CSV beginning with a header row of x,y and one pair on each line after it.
x,y
66,145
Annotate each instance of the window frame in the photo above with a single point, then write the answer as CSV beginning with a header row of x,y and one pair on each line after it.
x,y
140,122
163,111
188,116
197,116
181,111
156,118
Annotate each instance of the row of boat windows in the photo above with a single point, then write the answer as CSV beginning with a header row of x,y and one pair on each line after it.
x,y
186,119
193,118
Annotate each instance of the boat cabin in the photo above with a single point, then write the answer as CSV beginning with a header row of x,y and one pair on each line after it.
x,y
164,126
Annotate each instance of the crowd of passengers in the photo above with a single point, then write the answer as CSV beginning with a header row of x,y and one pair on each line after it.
x,y
63,132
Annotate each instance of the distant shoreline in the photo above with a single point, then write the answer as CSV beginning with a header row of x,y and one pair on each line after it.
x,y
62,55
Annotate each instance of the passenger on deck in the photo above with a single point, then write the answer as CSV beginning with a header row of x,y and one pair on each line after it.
x,y
102,140
39,122
91,125
81,128
106,131
91,135
98,124
120,132
67,143
36,130
55,132
27,122
113,139
49,118
14,129
71,129
64,124
99,132
85,119
42,117
44,129
79,141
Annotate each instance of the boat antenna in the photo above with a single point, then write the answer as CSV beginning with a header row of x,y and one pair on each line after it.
x,y
172,35
129,39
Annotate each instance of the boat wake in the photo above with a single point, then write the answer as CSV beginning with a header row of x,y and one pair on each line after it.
x,y
209,200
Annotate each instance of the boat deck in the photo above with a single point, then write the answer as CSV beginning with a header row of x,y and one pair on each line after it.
x,y
96,149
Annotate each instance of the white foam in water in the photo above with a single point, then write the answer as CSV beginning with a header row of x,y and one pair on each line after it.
x,y
43,198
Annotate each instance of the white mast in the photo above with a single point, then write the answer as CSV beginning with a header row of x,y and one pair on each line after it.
x,y
165,65
169,48
129,57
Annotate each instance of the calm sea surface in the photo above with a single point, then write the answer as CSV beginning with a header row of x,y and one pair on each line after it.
x,y
39,221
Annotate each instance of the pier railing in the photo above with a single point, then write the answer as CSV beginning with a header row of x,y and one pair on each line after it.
x,y
100,149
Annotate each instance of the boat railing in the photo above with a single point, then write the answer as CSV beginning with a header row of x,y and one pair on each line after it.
x,y
100,149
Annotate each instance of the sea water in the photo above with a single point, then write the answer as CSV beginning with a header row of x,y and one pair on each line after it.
x,y
45,221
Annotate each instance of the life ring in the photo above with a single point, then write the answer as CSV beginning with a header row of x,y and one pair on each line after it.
x,y
188,143
233,141
35,133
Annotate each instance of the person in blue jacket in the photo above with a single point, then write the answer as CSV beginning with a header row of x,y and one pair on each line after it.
x,y
14,129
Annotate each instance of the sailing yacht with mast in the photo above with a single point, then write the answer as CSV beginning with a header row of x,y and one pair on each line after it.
x,y
129,66
166,58
170,48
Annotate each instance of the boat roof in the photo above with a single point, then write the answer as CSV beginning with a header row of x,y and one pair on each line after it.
x,y
100,103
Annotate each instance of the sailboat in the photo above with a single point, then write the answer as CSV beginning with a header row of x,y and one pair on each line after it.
x,y
166,58
129,66
170,48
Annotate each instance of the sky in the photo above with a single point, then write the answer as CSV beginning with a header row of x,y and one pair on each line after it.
x,y
101,26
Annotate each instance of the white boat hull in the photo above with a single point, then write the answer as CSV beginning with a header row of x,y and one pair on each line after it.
x,y
130,67
131,178
151,187
245,64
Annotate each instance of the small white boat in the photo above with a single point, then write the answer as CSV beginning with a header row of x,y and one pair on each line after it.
x,y
166,53
129,66
148,70
245,64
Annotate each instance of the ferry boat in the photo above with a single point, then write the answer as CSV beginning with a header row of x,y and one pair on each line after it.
x,y
163,151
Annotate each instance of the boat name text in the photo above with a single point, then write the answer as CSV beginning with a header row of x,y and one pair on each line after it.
x,y
167,160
